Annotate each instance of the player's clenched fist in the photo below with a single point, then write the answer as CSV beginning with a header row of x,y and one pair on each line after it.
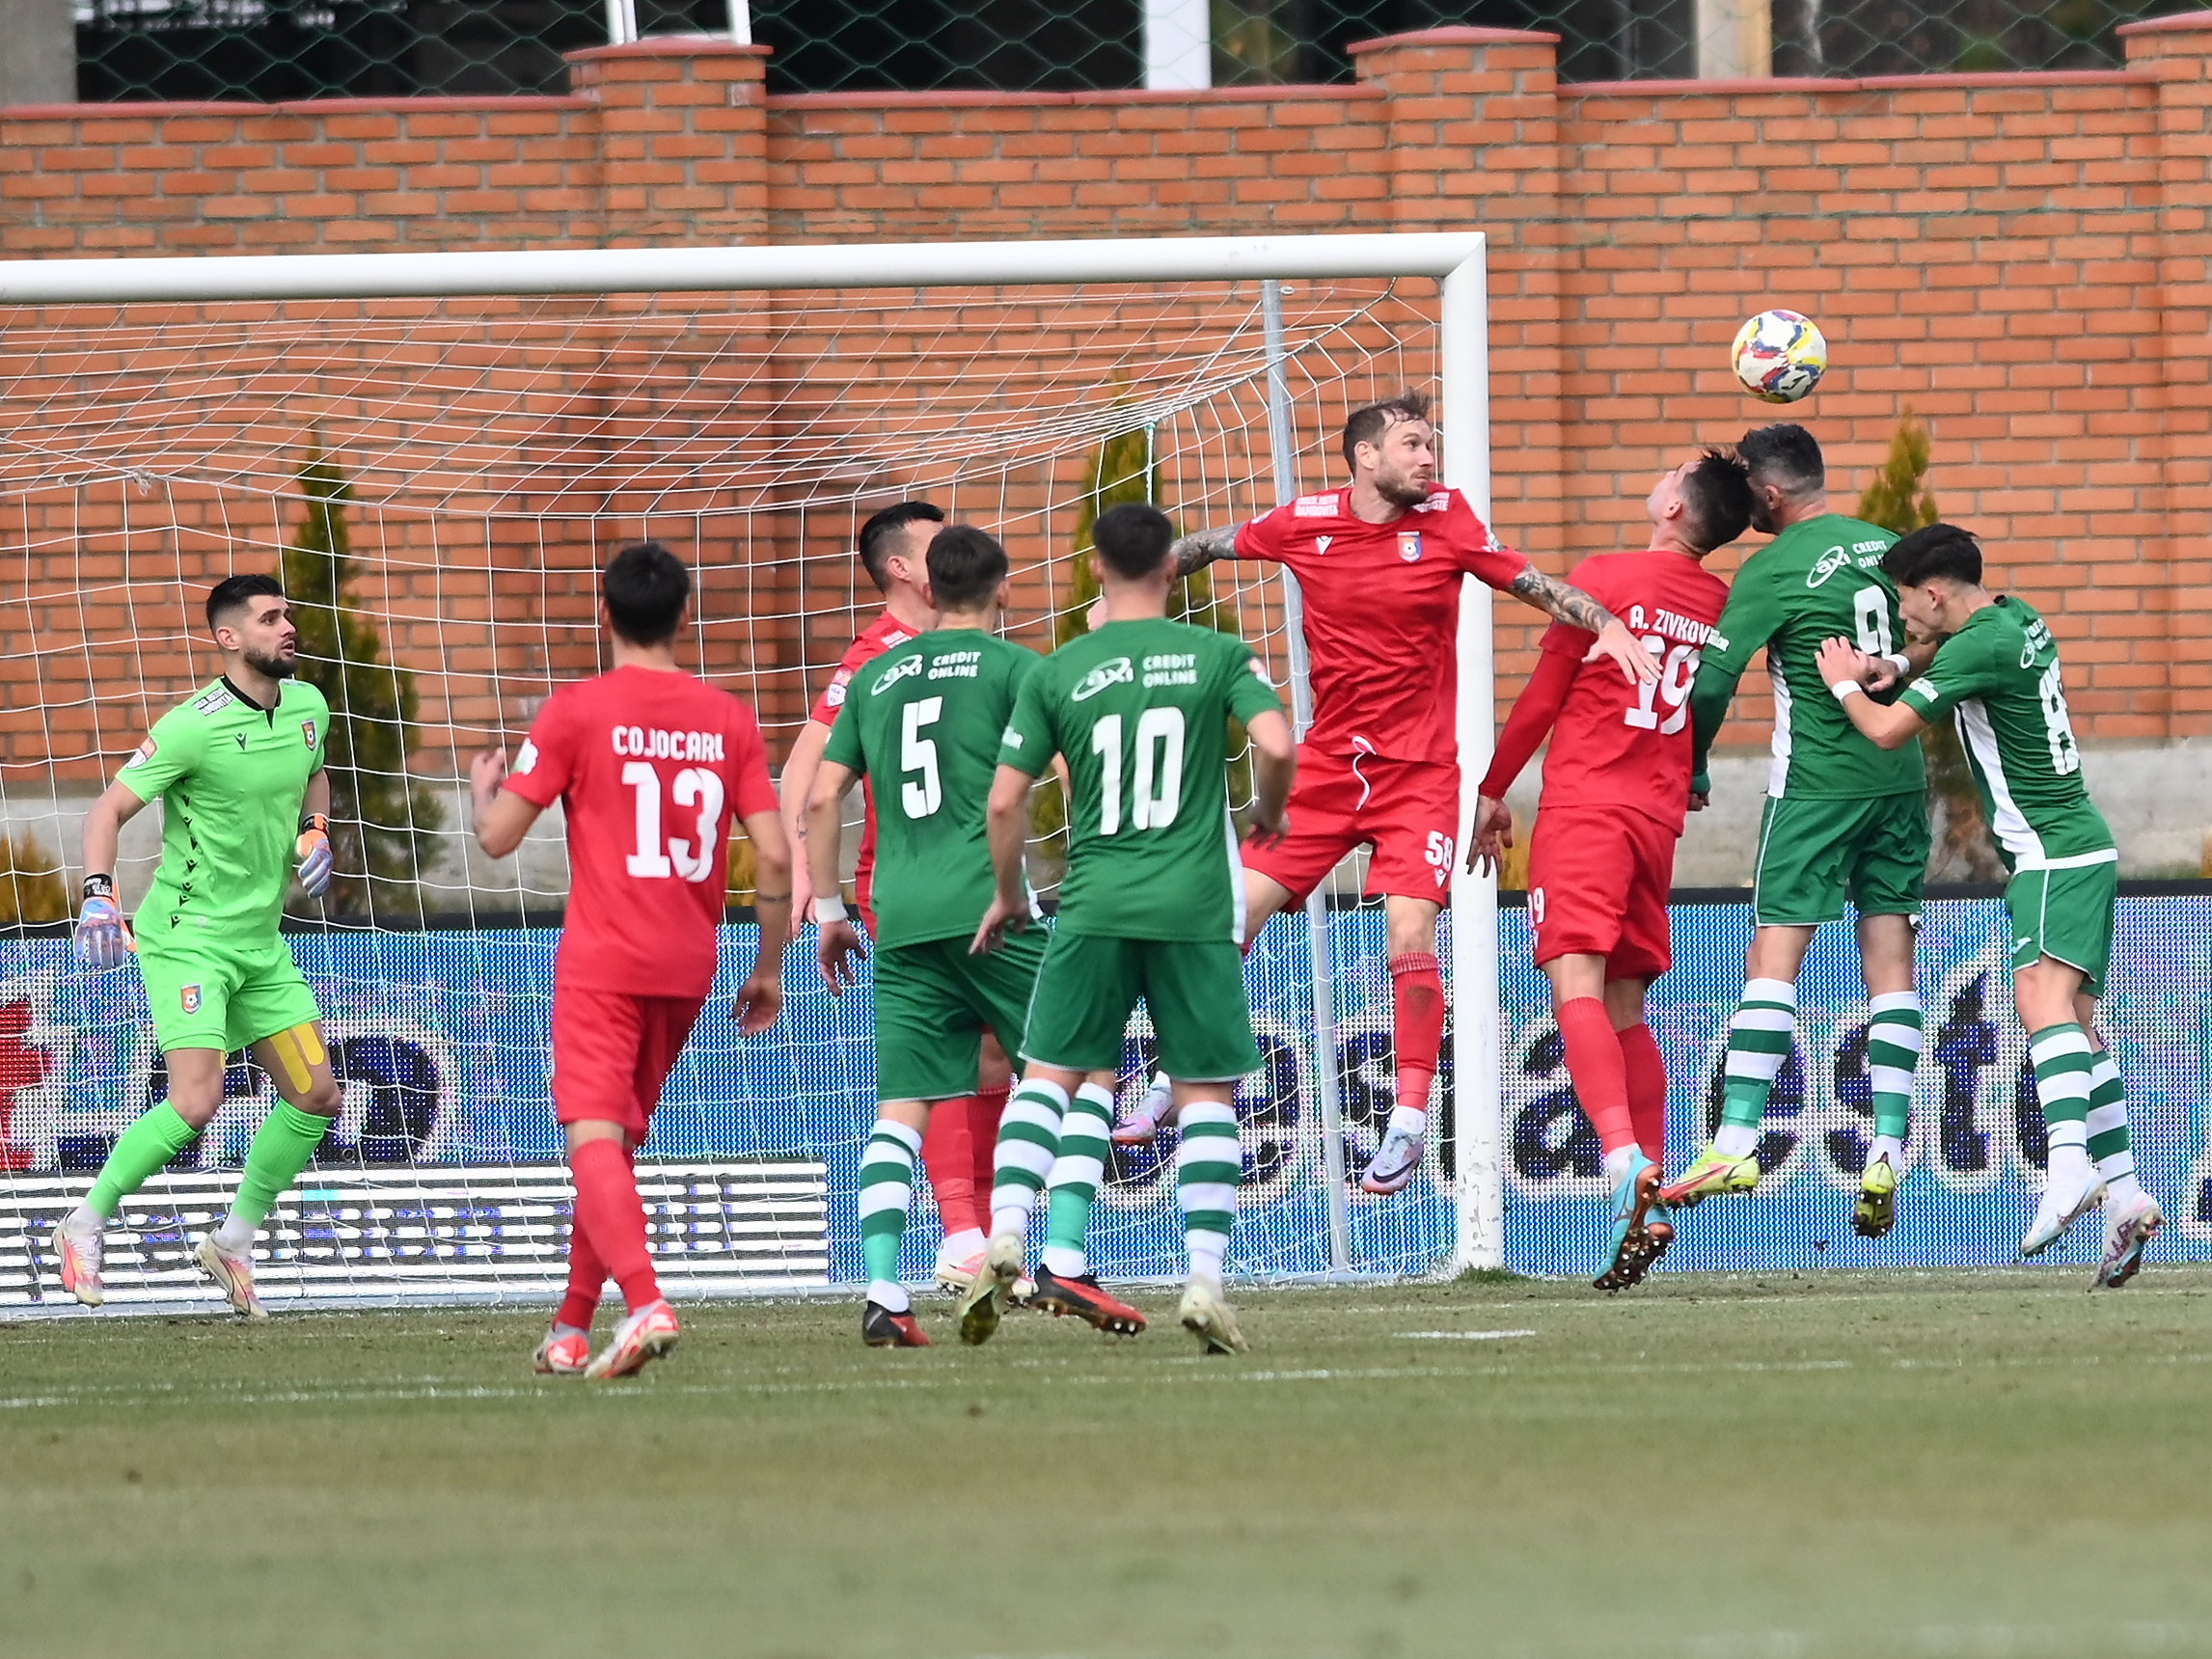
x,y
314,854
103,935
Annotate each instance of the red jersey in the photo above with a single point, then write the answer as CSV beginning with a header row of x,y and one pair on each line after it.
x,y
650,769
1614,744
1382,616
879,636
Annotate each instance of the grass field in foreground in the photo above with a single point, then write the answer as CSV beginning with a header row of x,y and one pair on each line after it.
x,y
1849,1464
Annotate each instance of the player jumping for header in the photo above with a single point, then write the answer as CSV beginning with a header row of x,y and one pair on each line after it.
x,y
1151,903
1616,786
238,769
922,724
650,767
1996,674
957,1146
1843,819
1381,563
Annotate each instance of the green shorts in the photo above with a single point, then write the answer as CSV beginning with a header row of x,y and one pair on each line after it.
x,y
933,1001
210,998
2065,913
1815,854
1201,1019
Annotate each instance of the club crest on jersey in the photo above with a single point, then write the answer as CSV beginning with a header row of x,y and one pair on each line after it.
x,y
189,996
140,756
1118,673
896,673
306,730
1410,546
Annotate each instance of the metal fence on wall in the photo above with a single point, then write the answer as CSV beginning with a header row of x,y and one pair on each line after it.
x,y
278,49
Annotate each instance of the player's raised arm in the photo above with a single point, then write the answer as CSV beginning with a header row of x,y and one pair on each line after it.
x,y
1571,606
837,943
1199,549
1885,725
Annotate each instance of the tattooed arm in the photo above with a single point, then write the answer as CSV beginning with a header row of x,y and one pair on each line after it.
x,y
1577,610
1201,548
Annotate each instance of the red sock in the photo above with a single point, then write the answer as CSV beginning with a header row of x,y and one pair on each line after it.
x,y
587,1277
951,1162
1647,1089
1598,1069
611,1212
1417,1025
988,1106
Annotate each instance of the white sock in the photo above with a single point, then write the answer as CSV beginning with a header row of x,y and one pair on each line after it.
x,y
2069,1162
85,1222
1207,1252
1889,1147
959,1246
889,1294
1735,1140
1413,1120
1010,1220
1065,1263
561,1330
1618,1162
234,1234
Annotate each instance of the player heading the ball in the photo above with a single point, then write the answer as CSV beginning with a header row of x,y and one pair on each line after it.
x,y
650,767
238,767
1996,674
1616,790
1152,906
1381,561
1843,819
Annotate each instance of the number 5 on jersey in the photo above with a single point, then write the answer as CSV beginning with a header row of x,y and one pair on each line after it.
x,y
695,788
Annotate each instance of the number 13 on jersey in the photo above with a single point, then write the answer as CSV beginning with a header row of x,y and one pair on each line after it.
x,y
694,791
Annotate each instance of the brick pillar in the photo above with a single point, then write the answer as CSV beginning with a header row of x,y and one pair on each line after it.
x,y
2178,51
1472,119
683,139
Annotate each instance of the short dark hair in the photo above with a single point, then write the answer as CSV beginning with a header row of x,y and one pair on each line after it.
x,y
645,588
233,591
966,566
1133,540
1936,549
1367,423
1786,456
1717,491
875,535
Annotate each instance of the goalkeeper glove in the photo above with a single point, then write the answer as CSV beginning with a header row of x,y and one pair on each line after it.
x,y
314,854
102,938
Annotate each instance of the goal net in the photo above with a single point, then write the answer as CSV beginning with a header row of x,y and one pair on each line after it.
x,y
438,471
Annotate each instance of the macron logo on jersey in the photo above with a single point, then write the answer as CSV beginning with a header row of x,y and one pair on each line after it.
x,y
659,745
1321,543
1118,673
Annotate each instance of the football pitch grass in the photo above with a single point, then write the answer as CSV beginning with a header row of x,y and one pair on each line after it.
x,y
1749,1465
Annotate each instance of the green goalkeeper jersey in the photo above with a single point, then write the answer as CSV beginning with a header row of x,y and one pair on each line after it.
x,y
1141,710
232,777
922,724
1815,581
1999,678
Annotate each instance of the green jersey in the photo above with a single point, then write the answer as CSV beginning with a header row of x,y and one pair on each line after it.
x,y
1999,678
1141,710
1817,579
922,724
232,777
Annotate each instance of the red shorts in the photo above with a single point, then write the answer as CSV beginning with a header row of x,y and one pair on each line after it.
x,y
1409,810
1597,881
613,1053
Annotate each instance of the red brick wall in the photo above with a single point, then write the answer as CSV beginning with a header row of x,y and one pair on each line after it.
x,y
2022,259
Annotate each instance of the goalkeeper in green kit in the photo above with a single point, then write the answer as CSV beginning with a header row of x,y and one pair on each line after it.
x,y
239,769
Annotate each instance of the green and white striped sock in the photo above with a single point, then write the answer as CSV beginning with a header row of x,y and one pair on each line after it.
x,y
2106,1127
1209,1162
1075,1178
2062,1056
1028,1141
886,1188
1894,1026
1759,1037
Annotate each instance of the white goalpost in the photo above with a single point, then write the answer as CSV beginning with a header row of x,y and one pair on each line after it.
x,y
450,445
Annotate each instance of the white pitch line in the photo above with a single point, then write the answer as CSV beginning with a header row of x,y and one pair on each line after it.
x,y
1460,1336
